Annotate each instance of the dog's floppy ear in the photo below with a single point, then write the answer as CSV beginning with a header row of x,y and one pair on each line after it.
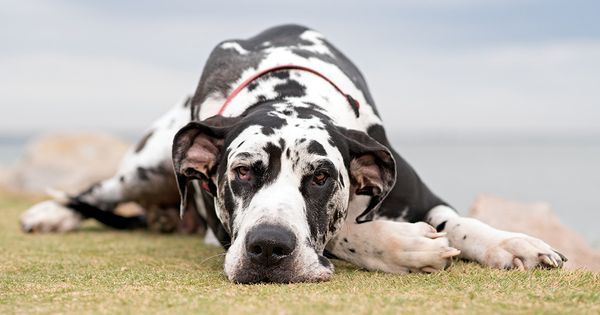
x,y
372,170
197,148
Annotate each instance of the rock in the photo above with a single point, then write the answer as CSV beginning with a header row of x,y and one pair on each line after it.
x,y
66,162
5,175
537,219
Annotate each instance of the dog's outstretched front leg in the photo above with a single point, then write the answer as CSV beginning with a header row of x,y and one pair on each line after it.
x,y
491,247
396,247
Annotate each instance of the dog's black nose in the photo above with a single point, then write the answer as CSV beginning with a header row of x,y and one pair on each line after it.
x,y
267,245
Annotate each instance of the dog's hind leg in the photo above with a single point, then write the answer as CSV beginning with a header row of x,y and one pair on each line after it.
x,y
145,176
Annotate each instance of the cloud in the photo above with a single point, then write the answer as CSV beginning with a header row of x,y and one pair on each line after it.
x,y
54,91
536,87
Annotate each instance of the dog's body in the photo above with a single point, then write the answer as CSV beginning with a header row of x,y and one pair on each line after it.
x,y
296,165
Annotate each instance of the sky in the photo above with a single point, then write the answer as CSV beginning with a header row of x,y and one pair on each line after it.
x,y
440,67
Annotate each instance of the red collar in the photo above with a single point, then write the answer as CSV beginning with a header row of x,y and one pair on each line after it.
x,y
352,101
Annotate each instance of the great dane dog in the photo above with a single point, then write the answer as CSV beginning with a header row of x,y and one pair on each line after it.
x,y
282,153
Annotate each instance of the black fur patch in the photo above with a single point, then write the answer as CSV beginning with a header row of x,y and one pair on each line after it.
x,y
188,102
142,173
338,215
316,148
229,202
353,105
290,88
267,131
281,143
324,261
282,74
274,154
441,226
140,146
106,216
378,133
252,86
317,199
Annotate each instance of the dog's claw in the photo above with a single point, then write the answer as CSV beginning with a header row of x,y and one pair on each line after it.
x,y
562,257
451,252
548,261
556,263
434,235
518,264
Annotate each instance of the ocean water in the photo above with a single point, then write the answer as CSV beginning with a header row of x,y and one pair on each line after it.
x,y
10,151
565,175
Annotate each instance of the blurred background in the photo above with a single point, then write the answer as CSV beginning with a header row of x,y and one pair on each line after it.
x,y
496,97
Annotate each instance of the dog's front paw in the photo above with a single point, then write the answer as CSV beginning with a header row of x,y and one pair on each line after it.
x,y
522,252
418,247
49,216
434,255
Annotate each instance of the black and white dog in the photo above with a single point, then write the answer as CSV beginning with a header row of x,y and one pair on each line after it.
x,y
282,153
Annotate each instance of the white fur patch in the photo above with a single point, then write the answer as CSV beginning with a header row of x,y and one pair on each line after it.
x,y
49,216
318,45
235,46
210,238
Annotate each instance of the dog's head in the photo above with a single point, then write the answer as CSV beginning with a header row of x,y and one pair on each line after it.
x,y
282,176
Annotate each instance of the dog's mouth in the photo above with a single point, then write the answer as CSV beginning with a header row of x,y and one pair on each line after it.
x,y
286,272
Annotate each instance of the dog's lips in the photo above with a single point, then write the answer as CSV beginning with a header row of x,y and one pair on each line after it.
x,y
289,272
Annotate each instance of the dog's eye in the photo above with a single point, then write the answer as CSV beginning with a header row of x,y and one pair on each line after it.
x,y
242,172
320,178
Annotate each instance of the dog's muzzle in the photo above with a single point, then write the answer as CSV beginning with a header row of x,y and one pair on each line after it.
x,y
274,253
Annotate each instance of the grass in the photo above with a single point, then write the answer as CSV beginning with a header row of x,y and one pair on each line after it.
x,y
97,270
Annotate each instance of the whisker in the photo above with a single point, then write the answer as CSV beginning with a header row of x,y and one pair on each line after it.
x,y
211,257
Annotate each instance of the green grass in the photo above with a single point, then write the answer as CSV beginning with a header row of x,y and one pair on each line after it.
x,y
103,271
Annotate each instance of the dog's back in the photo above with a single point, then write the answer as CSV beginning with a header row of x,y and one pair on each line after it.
x,y
232,61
